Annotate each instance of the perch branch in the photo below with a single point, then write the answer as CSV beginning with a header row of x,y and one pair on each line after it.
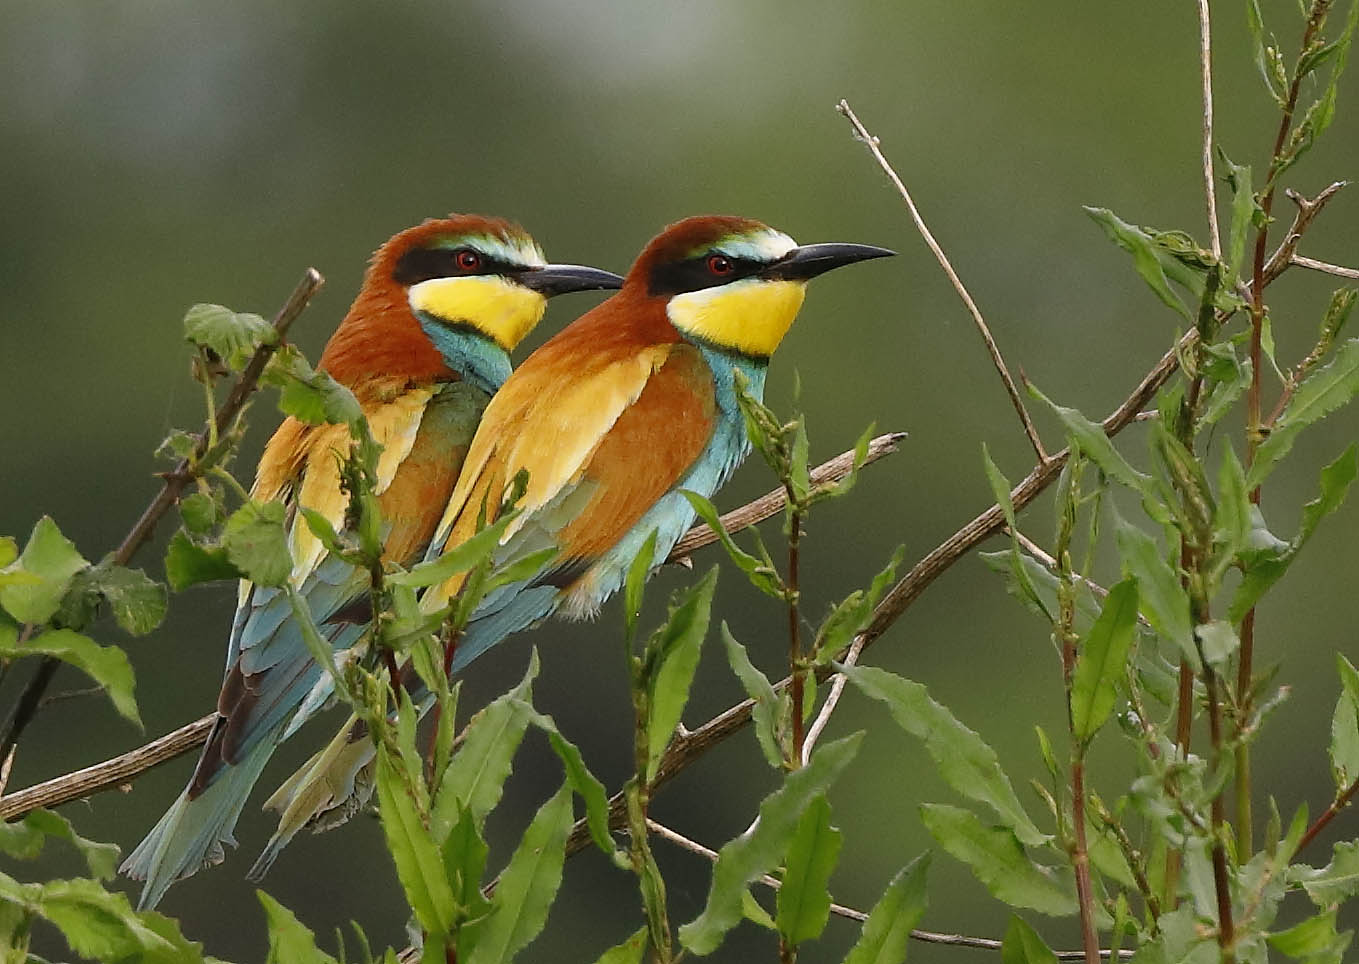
x,y
1327,267
872,143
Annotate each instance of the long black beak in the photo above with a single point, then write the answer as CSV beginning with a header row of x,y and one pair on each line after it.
x,y
558,279
811,260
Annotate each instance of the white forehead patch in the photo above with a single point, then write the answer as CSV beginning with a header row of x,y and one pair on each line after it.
x,y
522,251
769,245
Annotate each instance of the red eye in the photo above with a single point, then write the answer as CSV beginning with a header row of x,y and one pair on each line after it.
x,y
469,260
717,264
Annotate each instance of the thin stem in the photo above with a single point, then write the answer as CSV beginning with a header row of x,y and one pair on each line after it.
x,y
832,699
1206,70
874,148
850,913
1326,266
1338,804
1245,669
796,667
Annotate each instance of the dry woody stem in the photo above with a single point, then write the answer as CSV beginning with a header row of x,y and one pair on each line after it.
x,y
872,143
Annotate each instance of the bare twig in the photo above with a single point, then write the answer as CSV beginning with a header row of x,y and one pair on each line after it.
x,y
175,481
874,148
850,913
1206,69
832,698
1340,803
128,766
1307,211
110,773
772,503
1326,266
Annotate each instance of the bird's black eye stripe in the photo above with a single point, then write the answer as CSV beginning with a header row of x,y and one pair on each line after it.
x,y
694,274
422,264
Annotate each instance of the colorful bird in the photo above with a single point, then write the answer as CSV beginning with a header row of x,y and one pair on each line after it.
x,y
622,409
423,348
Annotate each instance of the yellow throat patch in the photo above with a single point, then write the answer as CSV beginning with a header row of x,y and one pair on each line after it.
x,y
502,309
750,316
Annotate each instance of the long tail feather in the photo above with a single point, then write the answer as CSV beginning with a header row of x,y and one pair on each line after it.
x,y
193,833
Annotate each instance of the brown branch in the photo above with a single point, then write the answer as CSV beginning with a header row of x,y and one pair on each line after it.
x,y
128,766
184,473
872,143
772,503
1307,211
1325,266
1338,804
111,773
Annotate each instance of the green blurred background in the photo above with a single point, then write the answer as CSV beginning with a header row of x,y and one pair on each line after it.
x,y
159,154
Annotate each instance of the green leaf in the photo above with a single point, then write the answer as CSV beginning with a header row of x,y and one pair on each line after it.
x,y
1266,565
998,860
758,688
257,544
319,647
527,886
1022,945
290,941
1314,939
581,780
1337,881
1162,599
1320,393
1090,438
1148,261
24,839
1232,523
419,863
887,931
475,777
672,658
102,926
1344,747
1219,641
464,853
757,570
462,558
754,912
1103,660
1019,576
187,563
52,559
138,601
234,336
308,395
9,550
964,759
757,852
106,665
1244,207
854,613
638,572
804,900
199,512
628,952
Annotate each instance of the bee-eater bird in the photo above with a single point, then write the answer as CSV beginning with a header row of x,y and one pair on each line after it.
x,y
423,348
631,403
